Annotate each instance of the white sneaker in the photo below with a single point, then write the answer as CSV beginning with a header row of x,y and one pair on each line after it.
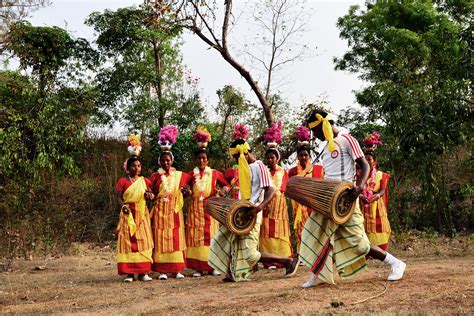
x,y
145,278
397,271
196,274
215,273
301,264
128,279
272,268
179,276
163,277
312,281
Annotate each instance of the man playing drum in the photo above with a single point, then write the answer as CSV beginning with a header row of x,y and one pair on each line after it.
x,y
325,243
235,255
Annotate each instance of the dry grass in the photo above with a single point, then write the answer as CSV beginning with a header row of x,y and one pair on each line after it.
x,y
439,279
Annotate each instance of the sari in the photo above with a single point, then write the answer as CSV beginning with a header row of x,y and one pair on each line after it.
x,y
135,241
168,222
200,226
275,229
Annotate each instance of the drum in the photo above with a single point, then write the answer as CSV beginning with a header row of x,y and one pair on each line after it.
x,y
233,214
328,197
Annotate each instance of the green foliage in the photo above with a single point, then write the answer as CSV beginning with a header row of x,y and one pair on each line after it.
x,y
45,50
140,80
414,57
43,124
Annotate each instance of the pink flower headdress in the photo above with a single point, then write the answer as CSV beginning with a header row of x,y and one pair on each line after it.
x,y
202,137
167,137
302,135
371,141
272,136
240,131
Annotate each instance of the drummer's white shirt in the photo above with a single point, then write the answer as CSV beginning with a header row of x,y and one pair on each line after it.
x,y
340,164
260,178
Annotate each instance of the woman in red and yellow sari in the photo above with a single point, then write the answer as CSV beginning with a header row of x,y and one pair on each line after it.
x,y
304,168
374,202
200,226
275,229
135,241
167,218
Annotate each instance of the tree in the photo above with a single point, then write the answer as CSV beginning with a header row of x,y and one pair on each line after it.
x,y
46,51
277,42
201,18
414,56
43,117
12,11
141,64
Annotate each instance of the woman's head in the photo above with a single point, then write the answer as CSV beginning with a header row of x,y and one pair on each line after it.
x,y
304,154
202,158
272,156
371,159
166,160
134,166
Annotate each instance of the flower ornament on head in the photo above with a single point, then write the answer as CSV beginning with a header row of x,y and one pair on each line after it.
x,y
272,136
167,137
134,145
202,137
371,141
302,135
240,132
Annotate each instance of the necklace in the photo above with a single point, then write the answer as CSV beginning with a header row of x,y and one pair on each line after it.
x,y
277,177
201,182
168,183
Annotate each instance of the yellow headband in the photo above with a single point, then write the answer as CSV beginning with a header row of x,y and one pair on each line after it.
x,y
244,170
327,129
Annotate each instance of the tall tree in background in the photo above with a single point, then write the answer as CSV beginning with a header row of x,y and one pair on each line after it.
x,y
278,26
212,23
12,11
141,64
416,58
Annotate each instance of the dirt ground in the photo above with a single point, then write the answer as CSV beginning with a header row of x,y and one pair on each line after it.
x,y
439,279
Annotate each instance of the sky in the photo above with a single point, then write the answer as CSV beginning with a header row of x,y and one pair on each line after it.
x,y
308,80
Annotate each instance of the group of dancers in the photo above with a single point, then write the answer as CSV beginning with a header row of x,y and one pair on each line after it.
x,y
163,242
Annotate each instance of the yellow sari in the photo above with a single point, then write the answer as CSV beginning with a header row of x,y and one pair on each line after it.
x,y
135,241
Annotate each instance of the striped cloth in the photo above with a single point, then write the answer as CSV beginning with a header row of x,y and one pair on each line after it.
x,y
235,255
325,244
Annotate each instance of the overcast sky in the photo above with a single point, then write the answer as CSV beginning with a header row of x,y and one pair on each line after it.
x,y
307,80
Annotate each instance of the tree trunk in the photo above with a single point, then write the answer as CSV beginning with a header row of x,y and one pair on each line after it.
x,y
158,85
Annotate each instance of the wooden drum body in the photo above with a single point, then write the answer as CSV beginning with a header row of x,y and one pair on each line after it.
x,y
328,197
233,214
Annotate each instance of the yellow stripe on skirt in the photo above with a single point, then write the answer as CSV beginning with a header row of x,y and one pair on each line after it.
x,y
324,243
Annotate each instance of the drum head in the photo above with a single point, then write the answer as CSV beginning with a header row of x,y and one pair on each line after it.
x,y
344,208
241,218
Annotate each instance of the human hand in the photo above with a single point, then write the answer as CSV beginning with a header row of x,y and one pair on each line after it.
x,y
223,191
354,193
254,211
186,190
363,199
125,209
149,195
